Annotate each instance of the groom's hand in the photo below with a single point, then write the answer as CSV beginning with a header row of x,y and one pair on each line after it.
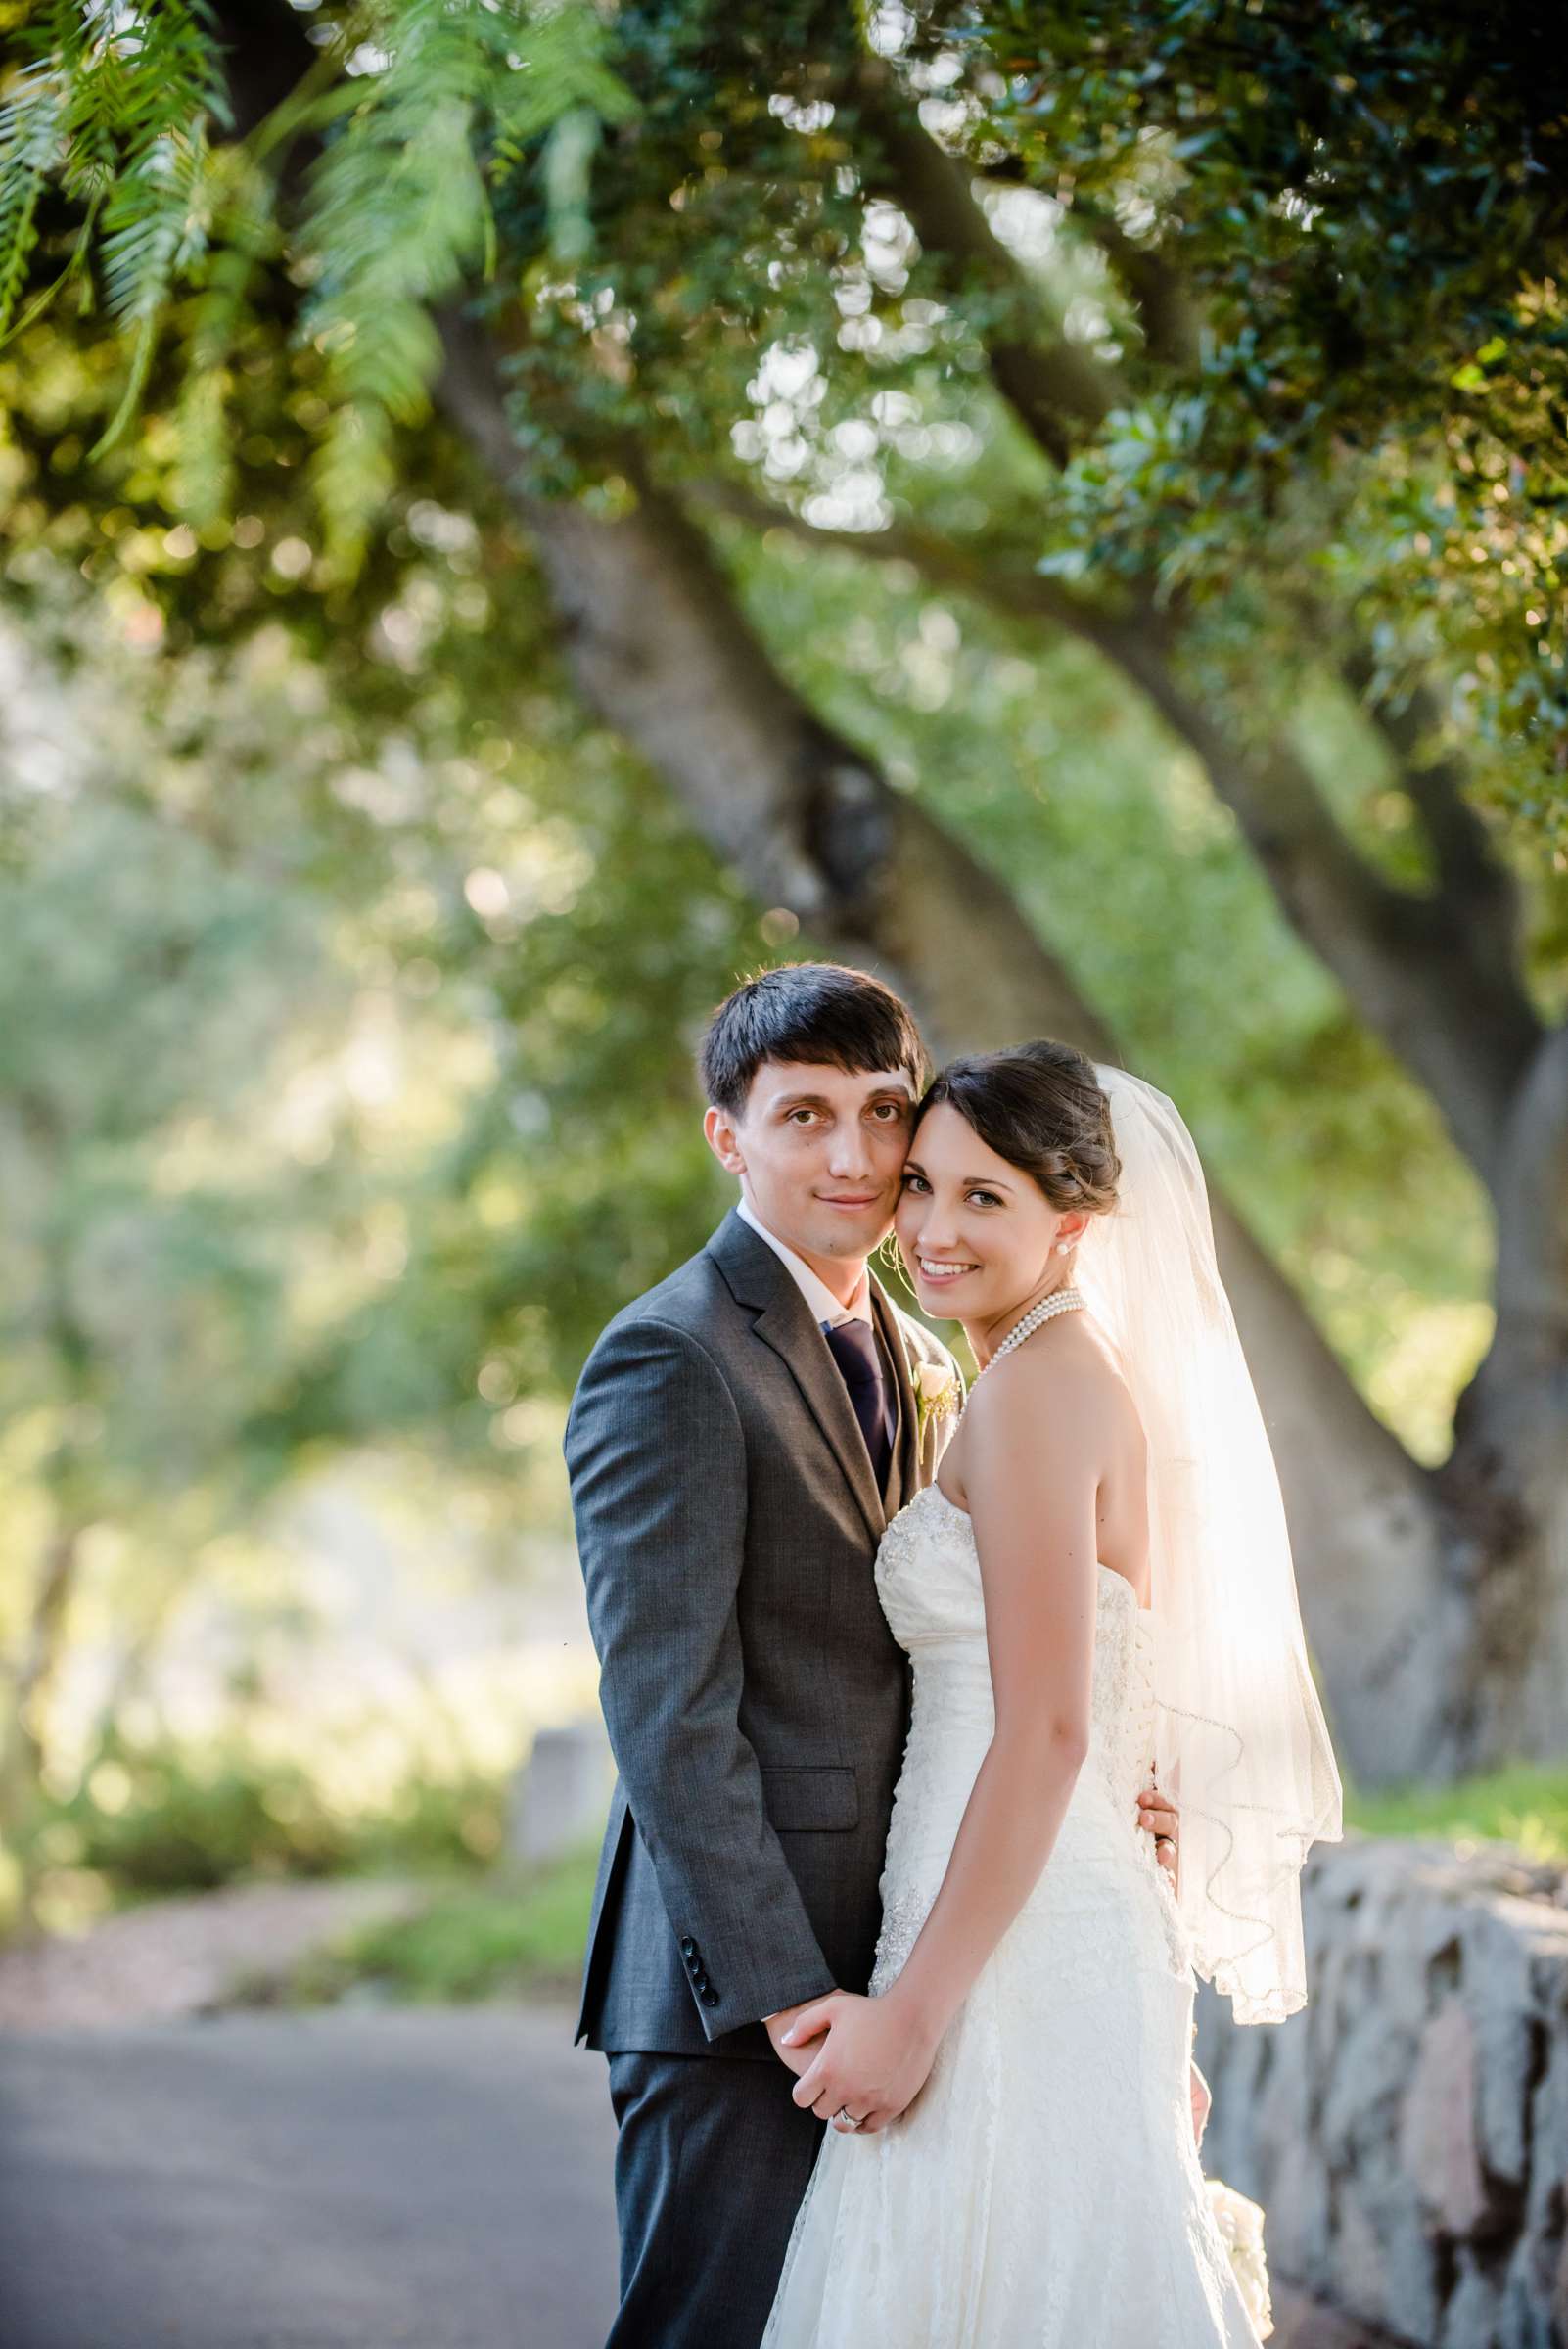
x,y
872,2063
803,2055
1159,1816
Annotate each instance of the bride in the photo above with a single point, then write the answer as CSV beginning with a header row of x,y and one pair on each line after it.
x,y
1101,1575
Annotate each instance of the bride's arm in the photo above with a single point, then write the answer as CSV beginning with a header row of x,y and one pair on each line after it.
x,y
1032,1476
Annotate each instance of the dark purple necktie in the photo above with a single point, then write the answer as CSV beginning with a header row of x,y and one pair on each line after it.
x,y
853,1347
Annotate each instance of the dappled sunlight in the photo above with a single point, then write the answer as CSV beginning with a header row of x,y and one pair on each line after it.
x,y
512,520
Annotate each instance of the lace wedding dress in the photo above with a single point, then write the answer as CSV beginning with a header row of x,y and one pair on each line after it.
x,y
1043,2189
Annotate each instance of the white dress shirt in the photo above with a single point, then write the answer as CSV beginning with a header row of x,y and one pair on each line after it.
x,y
825,1306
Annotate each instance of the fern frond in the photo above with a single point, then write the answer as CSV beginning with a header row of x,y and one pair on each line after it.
x,y
154,231
398,215
400,210
117,102
352,474
30,140
244,234
152,222
439,101
557,67
204,478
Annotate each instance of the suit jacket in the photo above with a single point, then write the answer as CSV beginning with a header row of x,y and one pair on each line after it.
x,y
727,1521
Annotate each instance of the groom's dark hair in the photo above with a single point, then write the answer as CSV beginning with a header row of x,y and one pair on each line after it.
x,y
810,1011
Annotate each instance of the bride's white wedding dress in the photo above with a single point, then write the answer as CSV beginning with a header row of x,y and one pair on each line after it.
x,y
1043,2189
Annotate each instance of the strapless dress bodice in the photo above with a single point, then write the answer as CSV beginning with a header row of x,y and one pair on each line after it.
x,y
928,1583
928,1580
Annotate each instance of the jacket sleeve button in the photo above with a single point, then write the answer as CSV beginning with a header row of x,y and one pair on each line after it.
x,y
688,1948
710,1997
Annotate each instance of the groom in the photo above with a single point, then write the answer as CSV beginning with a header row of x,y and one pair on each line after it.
x,y
738,1442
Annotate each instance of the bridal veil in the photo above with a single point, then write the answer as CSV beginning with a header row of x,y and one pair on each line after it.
x,y
1243,1744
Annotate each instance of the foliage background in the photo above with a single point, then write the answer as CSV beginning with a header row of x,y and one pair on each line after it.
x,y
352,972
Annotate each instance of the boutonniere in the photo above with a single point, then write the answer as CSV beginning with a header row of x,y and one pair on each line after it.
x,y
936,1394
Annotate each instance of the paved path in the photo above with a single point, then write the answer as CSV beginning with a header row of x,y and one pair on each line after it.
x,y
331,2181
182,1957
326,2180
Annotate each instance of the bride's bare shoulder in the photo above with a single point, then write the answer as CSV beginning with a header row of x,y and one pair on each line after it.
x,y
1065,1378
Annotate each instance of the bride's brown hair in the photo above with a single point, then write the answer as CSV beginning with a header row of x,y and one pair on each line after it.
x,y
1041,1107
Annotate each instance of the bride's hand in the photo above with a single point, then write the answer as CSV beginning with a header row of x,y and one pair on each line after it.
x,y
872,2063
1159,1816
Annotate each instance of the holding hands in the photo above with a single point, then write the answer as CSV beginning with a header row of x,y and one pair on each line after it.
x,y
866,2060
861,2062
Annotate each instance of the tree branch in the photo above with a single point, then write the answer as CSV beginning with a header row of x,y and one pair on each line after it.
x,y
1403,959
1475,885
986,570
1157,288
662,650
1446,1000
1502,1485
1530,1351
1054,385
1159,293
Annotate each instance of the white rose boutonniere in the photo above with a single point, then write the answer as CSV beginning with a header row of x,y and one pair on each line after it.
x,y
936,1393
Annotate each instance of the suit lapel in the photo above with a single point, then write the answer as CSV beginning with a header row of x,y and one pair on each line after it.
x,y
758,1279
903,1473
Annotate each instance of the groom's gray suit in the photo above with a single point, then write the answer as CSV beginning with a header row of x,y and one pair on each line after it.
x,y
728,1518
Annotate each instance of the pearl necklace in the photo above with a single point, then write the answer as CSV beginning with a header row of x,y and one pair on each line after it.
x,y
1060,1301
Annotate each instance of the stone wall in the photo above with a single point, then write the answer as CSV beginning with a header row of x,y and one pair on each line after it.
x,y
1407,2133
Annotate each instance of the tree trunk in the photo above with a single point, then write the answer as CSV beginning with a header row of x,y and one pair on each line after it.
x,y
1505,1486
660,651
1396,1564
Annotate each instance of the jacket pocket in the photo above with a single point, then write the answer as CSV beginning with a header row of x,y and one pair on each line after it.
x,y
816,1795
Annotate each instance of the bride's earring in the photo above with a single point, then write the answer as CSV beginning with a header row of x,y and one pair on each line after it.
x,y
1063,1247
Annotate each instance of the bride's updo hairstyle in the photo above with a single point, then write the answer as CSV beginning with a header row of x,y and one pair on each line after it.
x,y
1041,1107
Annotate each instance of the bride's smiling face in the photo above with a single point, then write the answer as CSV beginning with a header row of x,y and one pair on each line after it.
x,y
978,1235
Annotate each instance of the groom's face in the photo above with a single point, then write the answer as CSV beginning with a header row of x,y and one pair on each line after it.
x,y
819,1152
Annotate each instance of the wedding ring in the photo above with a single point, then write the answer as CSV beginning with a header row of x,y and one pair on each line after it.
x,y
844,2115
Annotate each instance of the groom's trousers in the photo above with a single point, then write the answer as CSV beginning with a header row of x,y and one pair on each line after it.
x,y
710,2165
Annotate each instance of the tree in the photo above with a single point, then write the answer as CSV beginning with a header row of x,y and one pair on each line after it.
x,y
1141,266
291,1110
